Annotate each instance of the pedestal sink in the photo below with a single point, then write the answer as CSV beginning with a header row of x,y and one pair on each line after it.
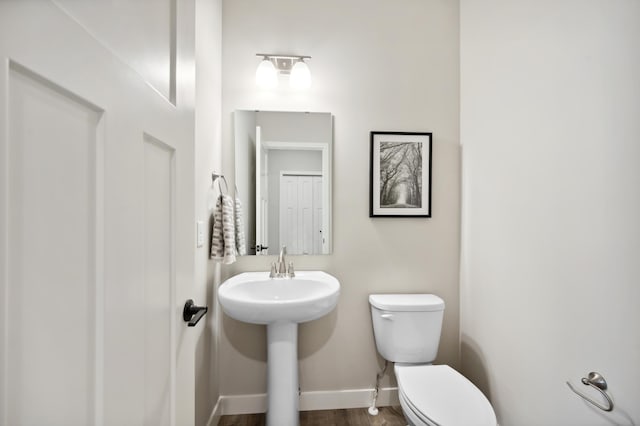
x,y
280,303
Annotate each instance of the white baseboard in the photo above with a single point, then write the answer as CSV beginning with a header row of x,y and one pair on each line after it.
x,y
318,400
353,398
216,413
244,404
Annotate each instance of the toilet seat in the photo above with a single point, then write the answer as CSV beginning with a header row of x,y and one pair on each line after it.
x,y
439,395
412,414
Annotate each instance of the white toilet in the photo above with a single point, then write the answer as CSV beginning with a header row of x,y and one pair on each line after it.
x,y
407,332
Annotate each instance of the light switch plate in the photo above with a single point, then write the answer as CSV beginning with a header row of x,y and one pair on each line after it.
x,y
199,233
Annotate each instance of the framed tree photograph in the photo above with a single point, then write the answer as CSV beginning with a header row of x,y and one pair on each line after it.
x,y
400,181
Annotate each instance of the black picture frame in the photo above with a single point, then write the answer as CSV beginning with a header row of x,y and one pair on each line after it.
x,y
400,174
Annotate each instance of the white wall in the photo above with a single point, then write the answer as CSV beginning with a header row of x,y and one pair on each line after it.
x,y
550,126
376,66
207,160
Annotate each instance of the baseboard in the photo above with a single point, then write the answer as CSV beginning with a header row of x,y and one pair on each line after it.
x,y
244,404
353,398
216,413
309,401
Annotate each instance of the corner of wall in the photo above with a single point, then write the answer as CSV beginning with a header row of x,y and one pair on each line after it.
x,y
207,159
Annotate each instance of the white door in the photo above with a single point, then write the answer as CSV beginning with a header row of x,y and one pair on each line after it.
x,y
96,210
262,196
288,222
301,213
305,214
318,218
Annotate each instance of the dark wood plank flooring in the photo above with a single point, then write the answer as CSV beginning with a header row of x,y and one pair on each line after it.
x,y
388,416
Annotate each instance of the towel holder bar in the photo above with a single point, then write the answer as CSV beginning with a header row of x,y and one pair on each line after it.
x,y
596,381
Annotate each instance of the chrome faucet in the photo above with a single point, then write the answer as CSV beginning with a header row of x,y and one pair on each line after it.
x,y
281,263
280,269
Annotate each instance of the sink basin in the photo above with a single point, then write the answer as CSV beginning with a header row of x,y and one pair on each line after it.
x,y
255,298
280,303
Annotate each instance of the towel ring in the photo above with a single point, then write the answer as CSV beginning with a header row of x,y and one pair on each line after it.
x,y
596,381
215,177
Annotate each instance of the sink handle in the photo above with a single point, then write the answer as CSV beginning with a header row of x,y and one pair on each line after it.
x,y
192,313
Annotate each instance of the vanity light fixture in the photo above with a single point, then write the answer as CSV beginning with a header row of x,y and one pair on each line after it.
x,y
292,65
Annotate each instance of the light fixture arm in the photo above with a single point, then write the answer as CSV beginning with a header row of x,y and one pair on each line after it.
x,y
274,55
283,63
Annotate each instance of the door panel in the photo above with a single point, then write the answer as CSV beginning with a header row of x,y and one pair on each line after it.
x,y
144,36
305,214
96,252
318,235
262,196
300,213
289,213
159,365
51,156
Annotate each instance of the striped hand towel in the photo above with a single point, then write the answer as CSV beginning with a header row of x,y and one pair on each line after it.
x,y
223,240
240,242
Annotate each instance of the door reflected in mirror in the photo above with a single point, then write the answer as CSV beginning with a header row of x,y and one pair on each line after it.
x,y
283,180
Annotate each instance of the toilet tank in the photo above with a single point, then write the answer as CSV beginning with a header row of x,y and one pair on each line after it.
x,y
407,327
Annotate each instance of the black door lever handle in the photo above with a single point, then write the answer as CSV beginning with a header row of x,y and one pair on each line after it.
x,y
192,313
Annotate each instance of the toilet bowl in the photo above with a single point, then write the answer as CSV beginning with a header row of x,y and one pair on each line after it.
x,y
407,332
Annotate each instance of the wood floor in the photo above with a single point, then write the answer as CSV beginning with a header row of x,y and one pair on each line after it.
x,y
388,416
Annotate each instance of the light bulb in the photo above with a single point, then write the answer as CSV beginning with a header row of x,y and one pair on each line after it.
x,y
266,74
300,77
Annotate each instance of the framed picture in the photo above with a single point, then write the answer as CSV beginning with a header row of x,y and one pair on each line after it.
x,y
400,181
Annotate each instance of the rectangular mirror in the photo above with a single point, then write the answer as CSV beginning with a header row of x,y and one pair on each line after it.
x,y
283,180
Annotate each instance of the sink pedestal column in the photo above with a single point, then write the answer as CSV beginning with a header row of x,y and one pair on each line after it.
x,y
282,374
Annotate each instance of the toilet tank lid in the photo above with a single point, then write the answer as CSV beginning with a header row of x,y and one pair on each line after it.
x,y
407,302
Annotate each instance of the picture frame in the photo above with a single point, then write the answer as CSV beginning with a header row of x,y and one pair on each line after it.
x,y
400,174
